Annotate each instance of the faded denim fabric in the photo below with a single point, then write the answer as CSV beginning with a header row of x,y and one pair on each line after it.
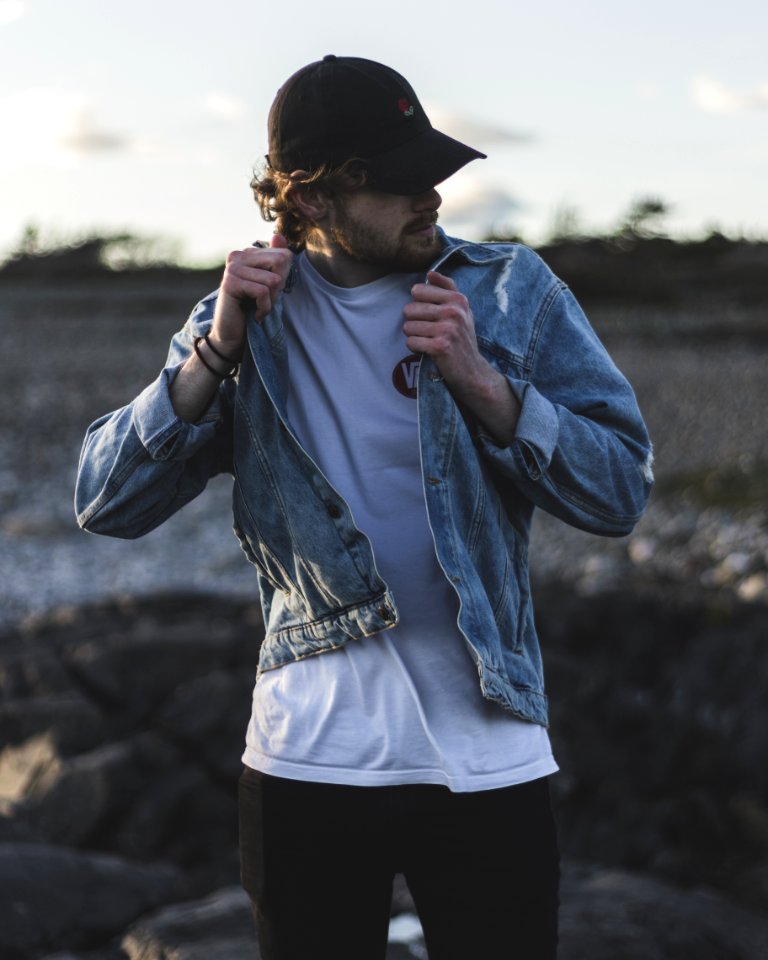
x,y
581,452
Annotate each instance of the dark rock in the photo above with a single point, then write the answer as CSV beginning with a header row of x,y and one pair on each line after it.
x,y
220,926
76,798
13,829
166,684
619,915
612,914
114,953
605,915
140,799
74,722
29,670
659,720
182,816
658,723
207,716
23,764
54,898
135,675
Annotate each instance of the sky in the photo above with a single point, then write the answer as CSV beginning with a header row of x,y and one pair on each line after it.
x,y
149,116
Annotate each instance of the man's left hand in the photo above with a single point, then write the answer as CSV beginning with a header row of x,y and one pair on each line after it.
x,y
438,322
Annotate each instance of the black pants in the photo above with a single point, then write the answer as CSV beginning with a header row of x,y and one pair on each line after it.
x,y
318,861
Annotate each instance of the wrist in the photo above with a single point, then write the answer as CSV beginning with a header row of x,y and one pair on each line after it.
x,y
491,400
480,386
214,361
231,349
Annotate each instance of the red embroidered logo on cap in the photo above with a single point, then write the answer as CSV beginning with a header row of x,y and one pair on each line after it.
x,y
405,107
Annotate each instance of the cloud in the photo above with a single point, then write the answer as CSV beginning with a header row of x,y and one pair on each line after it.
x,y
50,125
11,10
224,106
648,90
478,209
34,119
83,135
714,97
476,132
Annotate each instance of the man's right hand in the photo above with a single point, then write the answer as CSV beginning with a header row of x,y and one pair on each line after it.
x,y
254,277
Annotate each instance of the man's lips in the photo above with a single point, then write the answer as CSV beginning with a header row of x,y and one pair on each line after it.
x,y
425,227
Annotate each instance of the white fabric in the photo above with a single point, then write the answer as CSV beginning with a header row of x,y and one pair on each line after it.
x,y
405,705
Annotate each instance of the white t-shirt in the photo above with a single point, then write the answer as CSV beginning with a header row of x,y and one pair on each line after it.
x,y
405,705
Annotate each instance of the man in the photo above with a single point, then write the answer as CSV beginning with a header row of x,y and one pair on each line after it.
x,y
403,401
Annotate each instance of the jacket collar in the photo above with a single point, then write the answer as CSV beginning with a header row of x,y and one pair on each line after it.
x,y
469,251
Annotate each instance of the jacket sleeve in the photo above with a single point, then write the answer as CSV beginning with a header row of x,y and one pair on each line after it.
x,y
581,449
142,463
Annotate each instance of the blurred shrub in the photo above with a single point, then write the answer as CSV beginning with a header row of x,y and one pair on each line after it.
x,y
78,256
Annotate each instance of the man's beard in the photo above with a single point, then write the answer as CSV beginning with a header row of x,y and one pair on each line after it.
x,y
407,253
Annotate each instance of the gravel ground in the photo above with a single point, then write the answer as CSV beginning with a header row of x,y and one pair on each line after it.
x,y
72,355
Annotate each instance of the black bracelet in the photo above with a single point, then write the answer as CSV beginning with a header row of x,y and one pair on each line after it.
x,y
222,376
219,354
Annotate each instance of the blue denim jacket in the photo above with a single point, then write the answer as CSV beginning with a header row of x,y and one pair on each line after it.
x,y
581,452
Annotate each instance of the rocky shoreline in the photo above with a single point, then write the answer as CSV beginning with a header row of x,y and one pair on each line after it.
x,y
123,727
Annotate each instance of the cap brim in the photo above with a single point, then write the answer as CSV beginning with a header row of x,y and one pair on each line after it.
x,y
420,164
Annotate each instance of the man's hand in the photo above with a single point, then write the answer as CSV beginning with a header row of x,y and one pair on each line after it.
x,y
438,322
252,277
256,277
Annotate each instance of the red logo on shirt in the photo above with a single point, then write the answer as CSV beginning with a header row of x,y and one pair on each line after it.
x,y
405,376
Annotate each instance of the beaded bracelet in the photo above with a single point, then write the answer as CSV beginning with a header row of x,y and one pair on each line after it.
x,y
217,373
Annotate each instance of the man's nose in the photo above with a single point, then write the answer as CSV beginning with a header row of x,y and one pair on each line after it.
x,y
429,200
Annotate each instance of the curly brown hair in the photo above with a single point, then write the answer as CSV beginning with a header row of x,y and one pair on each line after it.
x,y
271,191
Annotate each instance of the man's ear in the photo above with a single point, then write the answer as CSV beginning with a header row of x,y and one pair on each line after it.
x,y
313,204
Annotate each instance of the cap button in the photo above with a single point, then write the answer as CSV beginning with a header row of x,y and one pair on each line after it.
x,y
329,56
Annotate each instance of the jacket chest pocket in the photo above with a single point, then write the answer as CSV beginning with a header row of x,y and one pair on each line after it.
x,y
509,362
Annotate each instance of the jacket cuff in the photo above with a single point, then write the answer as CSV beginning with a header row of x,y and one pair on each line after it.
x,y
536,434
163,433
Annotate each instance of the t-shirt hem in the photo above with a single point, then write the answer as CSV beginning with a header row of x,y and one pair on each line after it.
x,y
542,767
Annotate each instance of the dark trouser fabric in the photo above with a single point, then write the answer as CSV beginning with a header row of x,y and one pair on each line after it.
x,y
318,861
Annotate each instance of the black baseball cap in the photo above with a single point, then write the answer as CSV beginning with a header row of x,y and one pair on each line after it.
x,y
340,108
